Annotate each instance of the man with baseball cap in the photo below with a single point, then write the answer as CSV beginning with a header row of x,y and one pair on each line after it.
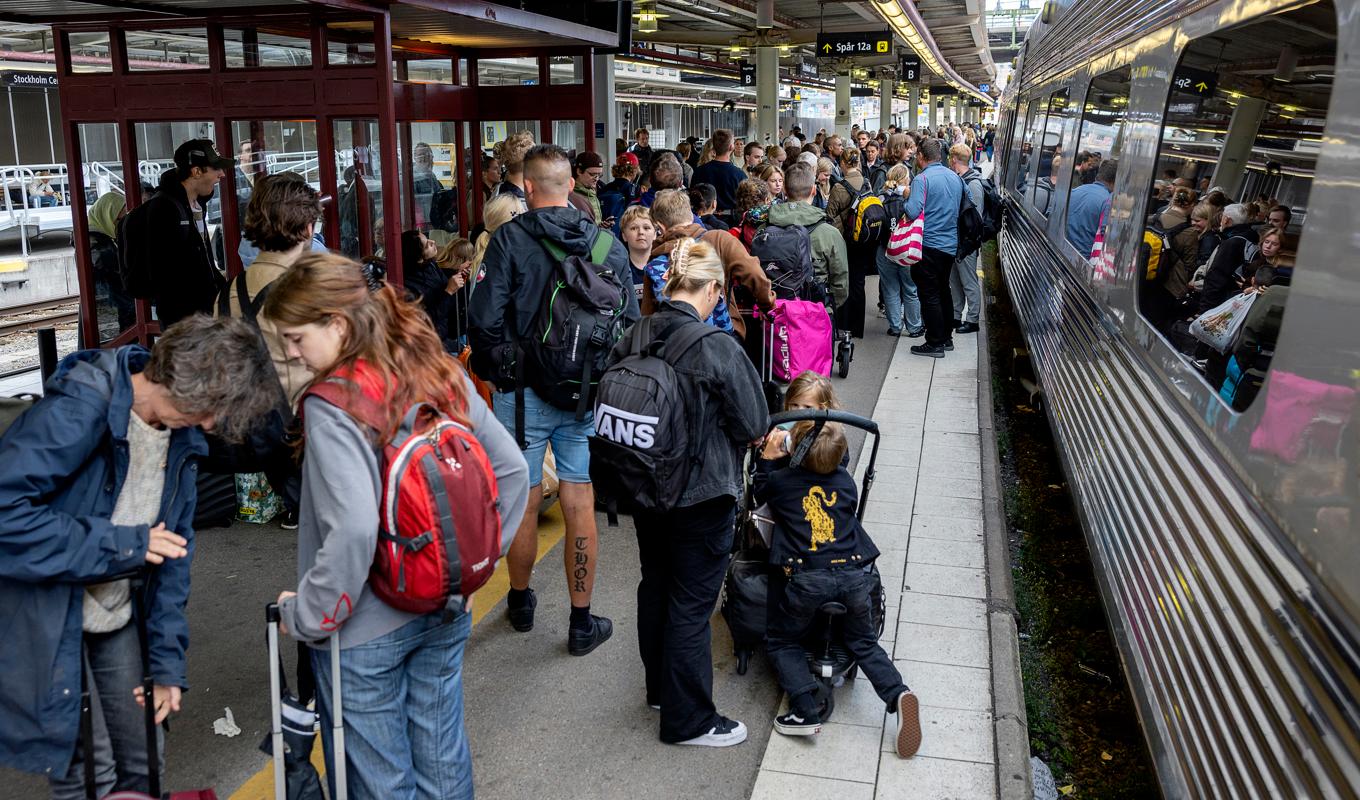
x,y
176,242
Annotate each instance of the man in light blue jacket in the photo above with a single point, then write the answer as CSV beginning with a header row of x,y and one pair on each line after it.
x,y
939,191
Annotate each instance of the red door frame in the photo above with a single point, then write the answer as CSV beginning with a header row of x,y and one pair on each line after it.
x,y
322,92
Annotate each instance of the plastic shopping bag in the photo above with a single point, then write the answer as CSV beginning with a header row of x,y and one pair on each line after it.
x,y
1220,326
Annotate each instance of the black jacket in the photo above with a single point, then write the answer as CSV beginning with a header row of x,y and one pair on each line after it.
x,y
428,285
518,267
797,497
1232,253
181,264
725,403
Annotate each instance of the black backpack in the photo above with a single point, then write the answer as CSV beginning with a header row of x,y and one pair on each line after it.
x,y
972,226
785,253
641,451
991,209
580,319
135,253
895,206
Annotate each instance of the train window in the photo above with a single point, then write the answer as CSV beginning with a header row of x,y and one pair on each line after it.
x,y
1051,153
1034,122
1102,124
1244,122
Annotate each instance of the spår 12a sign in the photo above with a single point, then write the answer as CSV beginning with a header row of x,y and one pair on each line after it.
x,y
857,43
1189,80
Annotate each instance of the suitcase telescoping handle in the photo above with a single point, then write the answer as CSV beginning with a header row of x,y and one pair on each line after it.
x,y
271,613
271,616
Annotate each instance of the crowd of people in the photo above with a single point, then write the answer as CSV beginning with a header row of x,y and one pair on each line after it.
x,y
236,381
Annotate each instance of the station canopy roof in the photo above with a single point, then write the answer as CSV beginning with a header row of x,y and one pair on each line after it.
x,y
957,27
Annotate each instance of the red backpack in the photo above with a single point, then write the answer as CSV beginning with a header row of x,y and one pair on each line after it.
x,y
440,534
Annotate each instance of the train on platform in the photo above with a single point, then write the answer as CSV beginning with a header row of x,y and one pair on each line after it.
x,y
1224,529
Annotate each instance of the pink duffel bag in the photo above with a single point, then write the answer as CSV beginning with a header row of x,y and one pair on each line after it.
x,y
800,333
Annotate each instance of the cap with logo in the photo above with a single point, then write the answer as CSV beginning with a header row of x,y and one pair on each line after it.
x,y
201,153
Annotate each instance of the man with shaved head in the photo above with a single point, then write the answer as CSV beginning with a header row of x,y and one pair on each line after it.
x,y
519,264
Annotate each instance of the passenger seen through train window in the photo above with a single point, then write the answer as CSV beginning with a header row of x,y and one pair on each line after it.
x,y
1244,119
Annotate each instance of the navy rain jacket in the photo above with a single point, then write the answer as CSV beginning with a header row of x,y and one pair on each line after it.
x,y
65,462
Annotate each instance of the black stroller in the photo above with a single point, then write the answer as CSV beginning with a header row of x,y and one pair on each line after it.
x,y
746,599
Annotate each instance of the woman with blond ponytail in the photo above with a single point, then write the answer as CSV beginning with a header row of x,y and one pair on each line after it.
x,y
684,551
395,666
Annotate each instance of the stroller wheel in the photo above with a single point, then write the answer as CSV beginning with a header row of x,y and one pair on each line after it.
x,y
743,660
843,359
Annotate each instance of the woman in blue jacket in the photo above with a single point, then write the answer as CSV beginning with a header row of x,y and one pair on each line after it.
x,y
99,481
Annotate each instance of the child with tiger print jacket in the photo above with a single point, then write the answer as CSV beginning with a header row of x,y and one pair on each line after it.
x,y
824,554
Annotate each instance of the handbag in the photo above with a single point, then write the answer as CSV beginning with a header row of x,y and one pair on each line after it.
x,y
906,242
1220,326
1102,257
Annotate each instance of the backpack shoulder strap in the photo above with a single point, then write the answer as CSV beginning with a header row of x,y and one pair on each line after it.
x,y
346,395
684,336
599,249
250,309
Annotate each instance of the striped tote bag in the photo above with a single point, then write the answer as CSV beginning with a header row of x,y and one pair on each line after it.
x,y
906,240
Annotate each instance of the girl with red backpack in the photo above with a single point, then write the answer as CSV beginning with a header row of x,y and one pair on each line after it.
x,y
386,396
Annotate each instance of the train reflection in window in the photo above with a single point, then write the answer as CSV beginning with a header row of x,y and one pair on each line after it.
x,y
1239,143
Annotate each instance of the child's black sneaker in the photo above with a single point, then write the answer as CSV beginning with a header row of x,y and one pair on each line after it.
x,y
791,724
725,734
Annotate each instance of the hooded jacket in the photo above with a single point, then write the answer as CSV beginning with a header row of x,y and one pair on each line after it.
x,y
829,260
68,458
725,402
1231,254
518,268
181,263
739,268
841,199
592,199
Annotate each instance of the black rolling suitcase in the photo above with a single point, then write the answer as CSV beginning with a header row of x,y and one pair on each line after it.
x,y
139,609
760,354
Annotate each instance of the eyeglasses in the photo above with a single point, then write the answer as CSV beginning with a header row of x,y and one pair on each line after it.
x,y
595,173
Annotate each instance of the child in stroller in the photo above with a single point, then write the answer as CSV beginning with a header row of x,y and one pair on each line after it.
x,y
824,551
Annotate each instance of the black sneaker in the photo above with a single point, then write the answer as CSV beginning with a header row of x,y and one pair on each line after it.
x,y
289,521
725,734
916,333
968,327
791,724
908,739
522,618
581,641
949,345
954,325
894,332
929,350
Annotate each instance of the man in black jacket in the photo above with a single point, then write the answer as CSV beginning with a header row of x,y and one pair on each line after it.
x,y
1238,247
518,269
178,254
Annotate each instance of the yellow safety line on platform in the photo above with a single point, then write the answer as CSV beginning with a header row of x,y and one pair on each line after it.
x,y
551,529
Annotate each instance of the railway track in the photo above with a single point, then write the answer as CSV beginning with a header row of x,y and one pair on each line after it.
x,y
29,316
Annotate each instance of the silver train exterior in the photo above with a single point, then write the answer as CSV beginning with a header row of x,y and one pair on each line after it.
x,y
1227,545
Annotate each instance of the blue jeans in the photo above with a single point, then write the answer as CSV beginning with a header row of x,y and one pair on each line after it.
x,y
114,667
544,423
402,697
899,294
804,594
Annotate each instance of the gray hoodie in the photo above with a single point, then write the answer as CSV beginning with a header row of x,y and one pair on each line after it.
x,y
338,521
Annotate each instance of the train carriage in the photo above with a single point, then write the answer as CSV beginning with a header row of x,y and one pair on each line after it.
x,y
1224,532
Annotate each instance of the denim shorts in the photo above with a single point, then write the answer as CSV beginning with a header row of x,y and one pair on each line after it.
x,y
544,423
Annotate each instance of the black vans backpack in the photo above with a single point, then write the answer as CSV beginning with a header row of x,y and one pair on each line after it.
x,y
580,319
135,251
785,253
641,451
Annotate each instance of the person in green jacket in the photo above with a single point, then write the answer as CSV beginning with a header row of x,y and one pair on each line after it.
x,y
829,260
587,169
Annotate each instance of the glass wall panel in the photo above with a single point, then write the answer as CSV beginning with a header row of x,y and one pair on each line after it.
x,y
167,49
349,43
252,47
360,187
429,70
89,51
570,134
566,69
266,147
507,71
433,184
116,311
